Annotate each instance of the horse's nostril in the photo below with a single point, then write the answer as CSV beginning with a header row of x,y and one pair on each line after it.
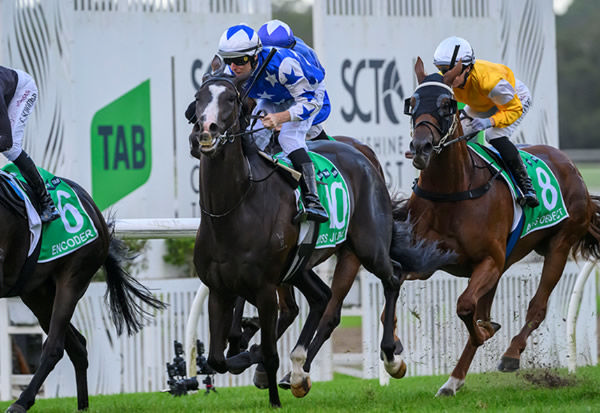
x,y
411,146
213,127
428,147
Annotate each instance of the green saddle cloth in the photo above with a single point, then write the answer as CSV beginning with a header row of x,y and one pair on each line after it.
x,y
73,229
552,208
334,196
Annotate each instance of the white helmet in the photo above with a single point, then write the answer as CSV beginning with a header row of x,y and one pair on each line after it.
x,y
239,40
442,57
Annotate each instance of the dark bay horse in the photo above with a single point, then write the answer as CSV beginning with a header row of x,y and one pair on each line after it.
x,y
246,236
344,275
477,228
53,289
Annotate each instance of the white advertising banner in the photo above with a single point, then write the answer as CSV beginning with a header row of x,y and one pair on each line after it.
x,y
369,48
114,79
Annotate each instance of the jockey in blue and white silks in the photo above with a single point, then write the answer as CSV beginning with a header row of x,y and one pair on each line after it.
x,y
290,91
278,34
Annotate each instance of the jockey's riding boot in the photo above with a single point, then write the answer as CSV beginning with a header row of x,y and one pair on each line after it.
x,y
524,181
513,160
312,205
308,184
32,176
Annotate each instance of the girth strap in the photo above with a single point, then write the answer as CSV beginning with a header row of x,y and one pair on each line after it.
x,y
455,196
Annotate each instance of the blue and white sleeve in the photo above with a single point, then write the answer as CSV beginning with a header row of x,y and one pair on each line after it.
x,y
293,78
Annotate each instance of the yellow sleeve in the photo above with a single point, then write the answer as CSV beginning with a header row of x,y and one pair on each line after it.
x,y
508,113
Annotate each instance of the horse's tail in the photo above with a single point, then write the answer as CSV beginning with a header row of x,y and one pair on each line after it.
x,y
589,245
416,256
125,295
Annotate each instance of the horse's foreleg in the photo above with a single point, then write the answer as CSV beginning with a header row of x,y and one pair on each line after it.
x,y
317,294
267,312
483,280
235,334
554,265
457,378
220,315
346,268
288,308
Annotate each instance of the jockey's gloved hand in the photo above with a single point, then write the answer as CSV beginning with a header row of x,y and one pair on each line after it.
x,y
475,125
479,124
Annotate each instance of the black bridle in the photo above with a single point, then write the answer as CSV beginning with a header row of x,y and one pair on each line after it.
x,y
228,137
431,104
442,106
243,118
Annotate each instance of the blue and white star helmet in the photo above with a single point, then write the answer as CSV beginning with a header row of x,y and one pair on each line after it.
x,y
276,33
442,56
239,40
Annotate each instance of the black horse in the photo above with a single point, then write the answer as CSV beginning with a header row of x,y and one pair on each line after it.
x,y
53,289
246,236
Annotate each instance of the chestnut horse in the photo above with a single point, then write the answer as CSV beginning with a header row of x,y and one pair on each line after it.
x,y
246,237
477,228
52,289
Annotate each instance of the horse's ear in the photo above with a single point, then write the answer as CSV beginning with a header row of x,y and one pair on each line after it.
x,y
451,74
420,70
217,64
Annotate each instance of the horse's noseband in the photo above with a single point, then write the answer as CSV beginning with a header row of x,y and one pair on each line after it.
x,y
436,99
226,136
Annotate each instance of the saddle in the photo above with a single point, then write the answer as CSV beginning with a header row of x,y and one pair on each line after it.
x,y
11,198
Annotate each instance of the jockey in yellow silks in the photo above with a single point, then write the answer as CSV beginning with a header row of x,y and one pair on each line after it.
x,y
495,102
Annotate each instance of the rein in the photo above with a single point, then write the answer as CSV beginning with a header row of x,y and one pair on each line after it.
x,y
239,202
443,143
227,137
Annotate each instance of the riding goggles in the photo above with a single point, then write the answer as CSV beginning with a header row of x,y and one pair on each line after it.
x,y
238,61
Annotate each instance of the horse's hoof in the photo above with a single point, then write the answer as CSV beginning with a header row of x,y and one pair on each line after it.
x,y
445,392
16,408
400,372
260,378
495,326
508,364
450,388
396,369
398,348
285,382
301,389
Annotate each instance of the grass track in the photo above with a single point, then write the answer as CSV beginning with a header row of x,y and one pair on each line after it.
x,y
488,392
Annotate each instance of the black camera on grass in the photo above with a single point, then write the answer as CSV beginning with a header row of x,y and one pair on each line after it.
x,y
179,383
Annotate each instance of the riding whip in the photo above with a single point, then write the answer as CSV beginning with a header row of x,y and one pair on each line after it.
x,y
261,70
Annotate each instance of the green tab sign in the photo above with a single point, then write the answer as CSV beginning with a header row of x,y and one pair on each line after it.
x,y
121,146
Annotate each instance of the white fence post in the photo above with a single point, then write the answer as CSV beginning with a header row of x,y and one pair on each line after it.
x,y
191,330
573,313
5,353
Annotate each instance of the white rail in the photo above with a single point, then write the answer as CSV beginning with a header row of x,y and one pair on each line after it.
x,y
573,312
157,228
191,334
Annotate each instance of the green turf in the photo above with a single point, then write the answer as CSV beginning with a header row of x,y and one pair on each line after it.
x,y
591,175
527,391
350,321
